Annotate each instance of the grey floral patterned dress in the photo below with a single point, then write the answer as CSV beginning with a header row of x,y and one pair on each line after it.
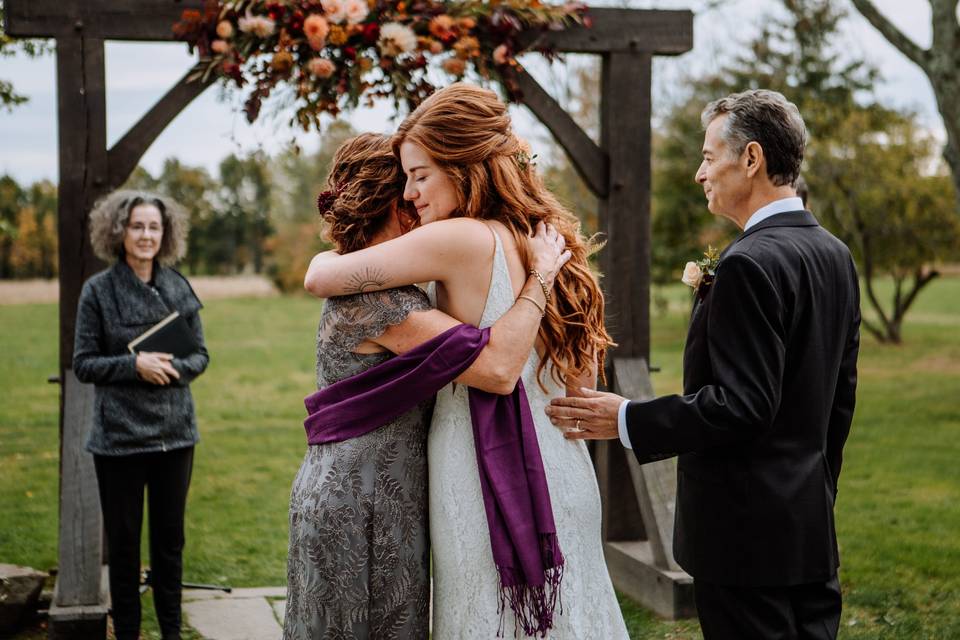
x,y
358,564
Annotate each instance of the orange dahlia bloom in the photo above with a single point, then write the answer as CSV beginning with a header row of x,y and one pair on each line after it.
x,y
443,27
316,27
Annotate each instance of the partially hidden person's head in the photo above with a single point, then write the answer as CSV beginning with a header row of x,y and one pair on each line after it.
x,y
461,158
364,192
753,144
139,225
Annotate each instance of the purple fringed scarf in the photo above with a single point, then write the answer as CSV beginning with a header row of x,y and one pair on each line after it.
x,y
523,535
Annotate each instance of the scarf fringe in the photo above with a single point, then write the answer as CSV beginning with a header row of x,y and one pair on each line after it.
x,y
533,605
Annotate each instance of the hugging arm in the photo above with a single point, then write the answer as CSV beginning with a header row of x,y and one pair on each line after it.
x,y
431,252
500,364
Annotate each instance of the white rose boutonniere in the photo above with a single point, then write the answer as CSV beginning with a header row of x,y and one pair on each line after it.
x,y
699,275
692,275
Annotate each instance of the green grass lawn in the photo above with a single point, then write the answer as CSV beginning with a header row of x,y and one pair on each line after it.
x,y
898,510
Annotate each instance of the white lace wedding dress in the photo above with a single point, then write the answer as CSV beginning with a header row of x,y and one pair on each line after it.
x,y
465,591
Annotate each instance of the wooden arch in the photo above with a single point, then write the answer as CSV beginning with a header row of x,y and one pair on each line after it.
x,y
638,501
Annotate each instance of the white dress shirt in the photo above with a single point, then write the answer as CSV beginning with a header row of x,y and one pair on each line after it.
x,y
777,206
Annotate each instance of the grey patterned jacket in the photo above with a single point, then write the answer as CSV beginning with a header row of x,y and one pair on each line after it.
x,y
131,415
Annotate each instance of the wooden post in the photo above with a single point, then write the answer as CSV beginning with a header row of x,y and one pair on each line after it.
x,y
79,607
625,212
82,132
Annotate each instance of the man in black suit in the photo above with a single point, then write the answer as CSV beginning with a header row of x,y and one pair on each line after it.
x,y
769,384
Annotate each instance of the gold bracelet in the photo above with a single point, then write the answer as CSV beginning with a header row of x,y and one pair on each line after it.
x,y
542,310
543,283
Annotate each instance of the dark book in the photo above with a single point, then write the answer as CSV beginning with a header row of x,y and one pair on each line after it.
x,y
170,335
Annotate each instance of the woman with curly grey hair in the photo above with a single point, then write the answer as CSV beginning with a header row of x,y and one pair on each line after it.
x,y
144,425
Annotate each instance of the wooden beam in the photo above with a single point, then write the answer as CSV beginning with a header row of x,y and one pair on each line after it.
x,y
104,19
126,153
626,31
625,213
589,159
613,30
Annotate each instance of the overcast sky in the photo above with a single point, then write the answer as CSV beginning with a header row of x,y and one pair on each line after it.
x,y
209,129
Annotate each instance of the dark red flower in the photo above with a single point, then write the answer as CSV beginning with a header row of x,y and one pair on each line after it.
x,y
371,31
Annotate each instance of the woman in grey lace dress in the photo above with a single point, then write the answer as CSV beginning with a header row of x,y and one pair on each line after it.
x,y
358,563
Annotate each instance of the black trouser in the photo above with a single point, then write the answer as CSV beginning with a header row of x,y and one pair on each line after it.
x,y
801,612
121,480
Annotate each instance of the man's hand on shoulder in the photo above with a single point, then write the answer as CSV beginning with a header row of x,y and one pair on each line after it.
x,y
590,417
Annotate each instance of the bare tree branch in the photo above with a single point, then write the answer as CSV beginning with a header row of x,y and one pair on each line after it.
x,y
897,38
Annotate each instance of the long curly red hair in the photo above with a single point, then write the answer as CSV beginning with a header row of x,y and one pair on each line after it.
x,y
466,130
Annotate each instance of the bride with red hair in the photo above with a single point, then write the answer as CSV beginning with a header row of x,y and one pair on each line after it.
x,y
478,197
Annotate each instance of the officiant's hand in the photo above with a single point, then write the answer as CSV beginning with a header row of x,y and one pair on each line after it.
x,y
156,368
593,416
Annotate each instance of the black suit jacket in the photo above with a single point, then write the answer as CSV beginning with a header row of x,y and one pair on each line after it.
x,y
769,376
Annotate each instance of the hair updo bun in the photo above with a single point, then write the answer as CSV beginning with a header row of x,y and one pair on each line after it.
x,y
364,185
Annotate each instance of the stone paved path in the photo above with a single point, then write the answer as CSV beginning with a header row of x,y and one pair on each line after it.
x,y
244,614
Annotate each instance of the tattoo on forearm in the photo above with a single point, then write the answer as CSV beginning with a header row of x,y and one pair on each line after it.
x,y
368,279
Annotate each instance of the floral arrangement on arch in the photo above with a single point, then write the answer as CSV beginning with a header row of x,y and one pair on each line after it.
x,y
337,53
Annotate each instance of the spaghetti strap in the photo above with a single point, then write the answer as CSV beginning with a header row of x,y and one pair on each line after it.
x,y
500,296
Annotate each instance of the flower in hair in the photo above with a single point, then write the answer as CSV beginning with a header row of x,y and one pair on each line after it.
x,y
326,198
524,159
